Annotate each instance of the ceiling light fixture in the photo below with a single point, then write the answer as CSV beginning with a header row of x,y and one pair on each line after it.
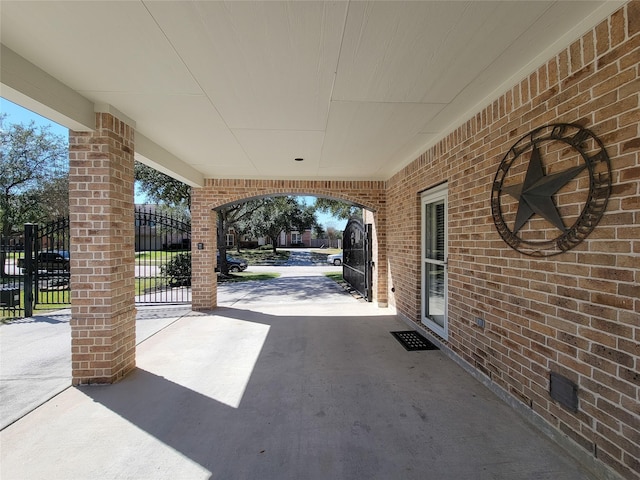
x,y
299,159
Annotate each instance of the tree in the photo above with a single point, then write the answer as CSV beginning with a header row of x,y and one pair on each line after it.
x,y
337,208
281,214
161,188
233,216
318,231
333,234
33,175
54,196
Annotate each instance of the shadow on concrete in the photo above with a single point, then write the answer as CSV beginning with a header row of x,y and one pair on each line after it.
x,y
327,397
42,318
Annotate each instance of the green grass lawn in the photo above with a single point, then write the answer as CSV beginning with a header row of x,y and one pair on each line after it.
x,y
152,257
147,284
48,301
335,276
246,276
260,256
326,251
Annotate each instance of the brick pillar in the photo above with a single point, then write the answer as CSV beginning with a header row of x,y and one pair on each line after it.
x,y
101,207
379,287
204,281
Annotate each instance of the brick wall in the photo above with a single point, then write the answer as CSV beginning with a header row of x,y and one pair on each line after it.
x,y
102,261
575,313
219,192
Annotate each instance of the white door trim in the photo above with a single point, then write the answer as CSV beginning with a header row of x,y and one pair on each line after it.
x,y
437,262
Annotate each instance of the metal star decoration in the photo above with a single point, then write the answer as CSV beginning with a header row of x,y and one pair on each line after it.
x,y
535,195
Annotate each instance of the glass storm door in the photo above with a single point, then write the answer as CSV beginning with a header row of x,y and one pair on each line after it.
x,y
434,260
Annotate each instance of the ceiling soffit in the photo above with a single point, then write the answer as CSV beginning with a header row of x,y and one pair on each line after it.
x,y
240,89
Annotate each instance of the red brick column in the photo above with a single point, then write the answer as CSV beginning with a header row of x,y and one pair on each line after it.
x,y
101,204
203,247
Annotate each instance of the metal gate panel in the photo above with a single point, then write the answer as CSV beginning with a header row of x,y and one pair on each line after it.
x,y
11,278
163,258
357,256
50,271
36,266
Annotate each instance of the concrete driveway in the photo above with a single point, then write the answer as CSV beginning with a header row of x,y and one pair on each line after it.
x,y
277,392
35,356
297,380
35,353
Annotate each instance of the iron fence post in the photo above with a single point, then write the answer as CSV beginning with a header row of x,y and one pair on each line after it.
x,y
30,235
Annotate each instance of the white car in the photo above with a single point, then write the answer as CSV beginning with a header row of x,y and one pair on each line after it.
x,y
335,259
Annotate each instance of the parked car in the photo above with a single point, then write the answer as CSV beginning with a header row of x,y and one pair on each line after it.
x,y
64,253
235,264
49,261
335,259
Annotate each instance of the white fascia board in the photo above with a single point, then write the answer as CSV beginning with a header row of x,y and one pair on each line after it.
x,y
153,155
110,109
29,86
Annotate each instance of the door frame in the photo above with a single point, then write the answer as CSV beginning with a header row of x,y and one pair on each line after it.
x,y
435,194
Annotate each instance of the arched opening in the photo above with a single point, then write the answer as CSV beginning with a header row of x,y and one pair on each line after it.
x,y
276,236
219,193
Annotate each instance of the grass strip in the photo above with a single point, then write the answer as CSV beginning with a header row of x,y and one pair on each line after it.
x,y
247,277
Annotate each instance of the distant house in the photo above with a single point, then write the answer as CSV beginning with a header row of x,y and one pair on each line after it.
x,y
285,239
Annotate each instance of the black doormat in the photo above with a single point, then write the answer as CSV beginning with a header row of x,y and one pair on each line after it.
x,y
412,340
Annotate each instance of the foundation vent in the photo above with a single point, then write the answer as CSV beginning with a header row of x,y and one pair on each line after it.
x,y
564,391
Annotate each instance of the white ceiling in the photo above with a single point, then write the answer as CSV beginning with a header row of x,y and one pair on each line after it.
x,y
239,89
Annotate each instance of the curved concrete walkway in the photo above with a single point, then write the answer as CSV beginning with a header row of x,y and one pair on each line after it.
x,y
299,389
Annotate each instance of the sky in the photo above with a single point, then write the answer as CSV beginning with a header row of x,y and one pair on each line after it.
x,y
17,114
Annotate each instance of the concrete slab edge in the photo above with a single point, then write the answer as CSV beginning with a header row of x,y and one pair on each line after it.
x,y
588,461
67,311
35,407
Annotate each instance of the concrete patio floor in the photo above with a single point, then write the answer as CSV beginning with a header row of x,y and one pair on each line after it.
x,y
282,391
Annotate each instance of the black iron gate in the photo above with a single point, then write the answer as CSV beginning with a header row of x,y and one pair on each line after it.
x,y
163,258
47,267
35,269
11,281
35,265
357,256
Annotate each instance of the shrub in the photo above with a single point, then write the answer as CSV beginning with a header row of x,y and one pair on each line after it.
x,y
178,269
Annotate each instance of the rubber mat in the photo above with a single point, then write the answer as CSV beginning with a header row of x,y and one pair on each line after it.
x,y
412,340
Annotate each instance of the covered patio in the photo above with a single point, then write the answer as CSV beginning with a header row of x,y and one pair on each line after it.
x,y
467,129
284,391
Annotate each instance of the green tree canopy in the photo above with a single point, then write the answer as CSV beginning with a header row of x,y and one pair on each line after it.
x,y
281,214
337,208
233,216
160,188
34,175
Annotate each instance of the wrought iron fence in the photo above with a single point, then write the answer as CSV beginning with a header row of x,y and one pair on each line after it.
x,y
36,264
11,278
51,278
163,258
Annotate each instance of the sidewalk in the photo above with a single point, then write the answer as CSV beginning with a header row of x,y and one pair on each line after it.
x,y
282,391
35,356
